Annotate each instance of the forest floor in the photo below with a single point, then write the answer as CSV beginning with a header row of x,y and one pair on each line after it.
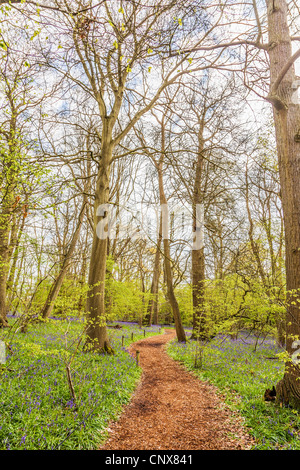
x,y
173,410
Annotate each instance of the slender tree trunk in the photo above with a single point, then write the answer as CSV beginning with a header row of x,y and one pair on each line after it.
x,y
13,277
149,319
253,243
287,128
96,335
167,261
4,264
3,317
55,288
140,315
82,278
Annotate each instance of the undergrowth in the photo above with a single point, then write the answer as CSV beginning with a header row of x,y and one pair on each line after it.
x,y
242,370
37,410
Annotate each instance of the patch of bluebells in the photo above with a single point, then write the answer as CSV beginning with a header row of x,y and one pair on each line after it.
x,y
243,368
36,408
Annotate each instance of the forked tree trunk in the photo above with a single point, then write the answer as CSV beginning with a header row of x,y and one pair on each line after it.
x,y
96,333
287,126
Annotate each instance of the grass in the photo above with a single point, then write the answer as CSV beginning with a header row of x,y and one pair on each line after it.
x,y
37,411
242,372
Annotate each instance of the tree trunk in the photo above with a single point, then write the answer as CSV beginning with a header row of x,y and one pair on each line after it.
x,y
82,278
4,264
198,260
155,310
3,275
167,259
198,286
13,277
171,295
96,334
152,306
287,128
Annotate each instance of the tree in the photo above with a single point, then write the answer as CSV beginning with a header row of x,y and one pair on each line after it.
x,y
162,117
20,168
206,139
107,57
261,191
152,309
286,111
282,85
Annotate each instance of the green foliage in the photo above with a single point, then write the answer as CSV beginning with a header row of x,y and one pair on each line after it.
x,y
124,300
184,299
127,301
231,305
71,298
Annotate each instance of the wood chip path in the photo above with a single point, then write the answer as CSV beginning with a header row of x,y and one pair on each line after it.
x,y
173,410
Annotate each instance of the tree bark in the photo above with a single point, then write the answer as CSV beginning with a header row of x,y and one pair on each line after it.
x,y
198,260
12,280
5,220
96,333
167,256
287,125
198,286
152,305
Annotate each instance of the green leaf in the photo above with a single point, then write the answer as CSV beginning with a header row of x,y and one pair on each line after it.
x,y
35,34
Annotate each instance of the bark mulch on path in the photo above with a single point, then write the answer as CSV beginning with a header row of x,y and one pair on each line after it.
x,y
173,410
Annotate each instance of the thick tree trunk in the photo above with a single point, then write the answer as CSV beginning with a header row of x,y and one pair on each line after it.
x,y
287,127
96,334
55,288
198,286
198,260
155,310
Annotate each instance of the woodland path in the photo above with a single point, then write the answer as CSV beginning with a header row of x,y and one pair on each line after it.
x,y
173,410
